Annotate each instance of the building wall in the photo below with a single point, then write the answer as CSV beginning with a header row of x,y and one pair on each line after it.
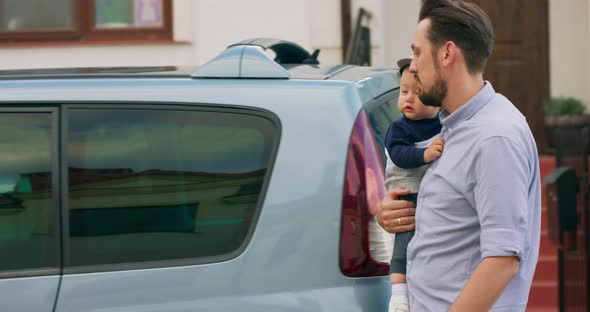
x,y
202,29
404,17
569,45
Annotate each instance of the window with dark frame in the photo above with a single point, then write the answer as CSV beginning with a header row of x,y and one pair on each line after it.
x,y
382,112
85,20
130,203
29,236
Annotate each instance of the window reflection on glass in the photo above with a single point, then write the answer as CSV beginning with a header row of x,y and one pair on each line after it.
x,y
128,13
151,185
27,233
18,15
381,114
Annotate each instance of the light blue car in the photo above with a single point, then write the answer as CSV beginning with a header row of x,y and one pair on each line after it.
x,y
247,184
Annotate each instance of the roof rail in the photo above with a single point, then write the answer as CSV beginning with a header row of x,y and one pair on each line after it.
x,y
247,59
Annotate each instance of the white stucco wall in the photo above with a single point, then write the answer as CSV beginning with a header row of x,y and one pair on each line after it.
x,y
404,17
569,45
222,22
325,31
202,29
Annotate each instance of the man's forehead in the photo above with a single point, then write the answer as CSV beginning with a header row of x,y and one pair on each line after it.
x,y
423,26
419,41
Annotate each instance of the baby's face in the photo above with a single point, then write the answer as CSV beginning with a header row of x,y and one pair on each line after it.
x,y
408,102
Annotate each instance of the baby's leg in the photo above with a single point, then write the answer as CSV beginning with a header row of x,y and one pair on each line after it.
x,y
400,248
399,257
397,276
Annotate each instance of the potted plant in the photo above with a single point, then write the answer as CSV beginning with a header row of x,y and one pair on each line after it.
x,y
566,116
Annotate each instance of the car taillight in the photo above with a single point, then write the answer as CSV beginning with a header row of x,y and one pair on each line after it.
x,y
365,248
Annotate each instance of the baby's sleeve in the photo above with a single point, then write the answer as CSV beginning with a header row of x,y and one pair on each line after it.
x,y
400,147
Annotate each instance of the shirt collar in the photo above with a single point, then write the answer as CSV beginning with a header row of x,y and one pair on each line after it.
x,y
451,120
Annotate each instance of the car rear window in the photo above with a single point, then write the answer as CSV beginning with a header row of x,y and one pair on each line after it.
x,y
382,112
161,184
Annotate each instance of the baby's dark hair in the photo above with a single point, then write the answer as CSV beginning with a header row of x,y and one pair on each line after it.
x,y
403,64
401,69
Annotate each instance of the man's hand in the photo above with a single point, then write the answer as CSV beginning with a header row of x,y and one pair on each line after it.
x,y
396,215
434,150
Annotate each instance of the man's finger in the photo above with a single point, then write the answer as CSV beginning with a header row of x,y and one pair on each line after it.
x,y
399,207
400,212
407,220
402,221
403,213
399,228
396,192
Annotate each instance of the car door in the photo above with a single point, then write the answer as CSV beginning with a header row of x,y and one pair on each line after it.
x,y
159,198
29,214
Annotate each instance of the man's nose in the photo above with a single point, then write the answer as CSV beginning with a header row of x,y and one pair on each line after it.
x,y
413,68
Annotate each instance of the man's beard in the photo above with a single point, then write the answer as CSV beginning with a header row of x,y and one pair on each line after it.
x,y
436,95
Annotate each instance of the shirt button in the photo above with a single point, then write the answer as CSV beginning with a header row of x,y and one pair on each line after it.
x,y
429,169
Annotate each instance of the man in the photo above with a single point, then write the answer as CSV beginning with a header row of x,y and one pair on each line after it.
x,y
478,213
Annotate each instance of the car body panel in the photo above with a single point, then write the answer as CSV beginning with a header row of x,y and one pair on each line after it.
x,y
36,293
291,260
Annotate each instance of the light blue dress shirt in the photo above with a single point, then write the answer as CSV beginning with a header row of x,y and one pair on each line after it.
x,y
481,198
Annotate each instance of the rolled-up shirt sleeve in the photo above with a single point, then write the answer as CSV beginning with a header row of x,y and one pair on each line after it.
x,y
501,191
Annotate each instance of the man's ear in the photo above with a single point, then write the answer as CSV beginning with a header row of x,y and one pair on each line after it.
x,y
448,53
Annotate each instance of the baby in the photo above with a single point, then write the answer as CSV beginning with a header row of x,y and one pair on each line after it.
x,y
411,143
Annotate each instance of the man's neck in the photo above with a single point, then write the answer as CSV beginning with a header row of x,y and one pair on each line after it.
x,y
460,90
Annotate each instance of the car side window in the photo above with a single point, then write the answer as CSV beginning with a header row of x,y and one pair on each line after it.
x,y
152,185
28,231
382,112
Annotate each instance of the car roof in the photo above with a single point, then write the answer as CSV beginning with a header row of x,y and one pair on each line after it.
x,y
255,58
297,71
259,59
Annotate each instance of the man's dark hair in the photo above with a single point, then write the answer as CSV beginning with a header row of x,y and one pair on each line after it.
x,y
464,23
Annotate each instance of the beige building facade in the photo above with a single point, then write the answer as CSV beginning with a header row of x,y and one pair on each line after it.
x,y
569,45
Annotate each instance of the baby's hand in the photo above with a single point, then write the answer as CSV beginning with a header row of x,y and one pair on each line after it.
x,y
434,150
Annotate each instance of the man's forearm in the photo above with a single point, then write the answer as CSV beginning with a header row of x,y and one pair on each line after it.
x,y
486,284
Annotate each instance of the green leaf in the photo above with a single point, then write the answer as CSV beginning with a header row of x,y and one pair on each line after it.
x,y
564,106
